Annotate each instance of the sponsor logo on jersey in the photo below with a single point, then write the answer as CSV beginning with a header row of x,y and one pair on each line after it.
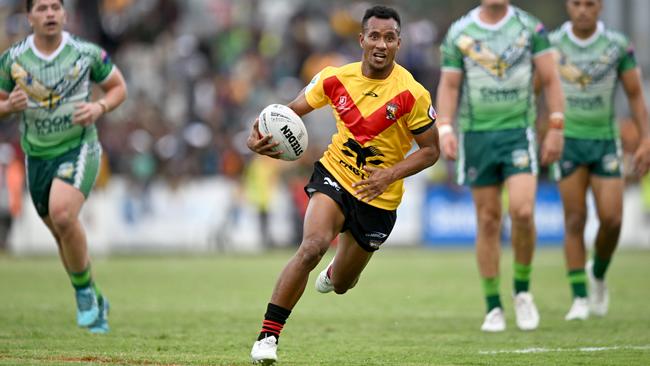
x,y
45,126
586,103
494,95
330,182
371,94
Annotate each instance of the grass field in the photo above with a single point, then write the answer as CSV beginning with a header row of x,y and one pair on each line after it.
x,y
411,307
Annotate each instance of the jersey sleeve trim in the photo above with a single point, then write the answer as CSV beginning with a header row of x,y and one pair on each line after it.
x,y
543,52
422,129
451,69
108,76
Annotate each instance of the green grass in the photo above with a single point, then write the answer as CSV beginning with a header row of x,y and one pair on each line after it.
x,y
411,307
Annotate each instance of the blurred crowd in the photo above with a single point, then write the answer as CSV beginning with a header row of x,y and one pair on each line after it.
x,y
198,72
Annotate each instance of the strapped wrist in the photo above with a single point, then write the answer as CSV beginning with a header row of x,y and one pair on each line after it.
x,y
102,103
445,129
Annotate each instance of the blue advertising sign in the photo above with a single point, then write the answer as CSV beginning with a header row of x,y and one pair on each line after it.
x,y
449,217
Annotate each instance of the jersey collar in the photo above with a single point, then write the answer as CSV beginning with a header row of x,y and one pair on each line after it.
x,y
568,28
52,56
475,16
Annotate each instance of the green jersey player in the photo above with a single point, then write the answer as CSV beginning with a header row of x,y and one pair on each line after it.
x,y
46,78
488,57
592,59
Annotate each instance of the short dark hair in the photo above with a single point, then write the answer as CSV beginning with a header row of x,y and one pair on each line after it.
x,y
381,12
30,4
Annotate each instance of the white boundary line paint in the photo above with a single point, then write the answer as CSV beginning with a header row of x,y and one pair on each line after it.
x,y
579,349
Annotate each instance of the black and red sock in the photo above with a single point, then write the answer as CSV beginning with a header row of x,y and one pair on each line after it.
x,y
274,320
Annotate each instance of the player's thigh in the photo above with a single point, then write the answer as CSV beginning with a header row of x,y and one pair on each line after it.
x,y
608,194
65,199
573,191
521,193
350,259
323,220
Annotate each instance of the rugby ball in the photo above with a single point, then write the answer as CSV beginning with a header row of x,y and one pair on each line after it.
x,y
287,128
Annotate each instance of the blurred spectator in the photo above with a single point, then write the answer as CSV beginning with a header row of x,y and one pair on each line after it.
x,y
12,181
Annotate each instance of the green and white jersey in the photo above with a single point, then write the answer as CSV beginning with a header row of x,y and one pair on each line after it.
x,y
589,71
497,62
55,84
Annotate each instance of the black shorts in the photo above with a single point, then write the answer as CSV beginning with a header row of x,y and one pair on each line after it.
x,y
369,225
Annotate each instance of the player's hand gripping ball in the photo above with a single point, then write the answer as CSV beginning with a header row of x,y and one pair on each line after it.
x,y
287,128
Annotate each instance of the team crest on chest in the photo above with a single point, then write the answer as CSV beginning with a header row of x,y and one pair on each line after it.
x,y
391,111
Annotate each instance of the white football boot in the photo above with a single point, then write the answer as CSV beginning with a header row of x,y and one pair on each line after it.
x,y
494,321
265,351
525,311
598,293
323,283
579,309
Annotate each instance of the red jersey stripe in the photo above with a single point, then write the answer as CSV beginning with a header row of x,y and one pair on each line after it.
x,y
366,129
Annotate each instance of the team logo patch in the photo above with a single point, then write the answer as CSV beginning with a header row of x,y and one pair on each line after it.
x,y
610,163
520,158
391,111
65,171
312,83
432,113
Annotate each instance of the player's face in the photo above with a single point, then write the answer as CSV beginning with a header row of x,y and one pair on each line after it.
x,y
584,13
491,3
380,41
47,17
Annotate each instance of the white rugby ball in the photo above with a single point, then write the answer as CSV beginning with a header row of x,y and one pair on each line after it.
x,y
287,128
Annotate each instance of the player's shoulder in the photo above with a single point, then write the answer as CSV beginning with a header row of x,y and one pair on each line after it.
x,y
458,26
408,82
527,19
616,37
558,33
82,45
16,49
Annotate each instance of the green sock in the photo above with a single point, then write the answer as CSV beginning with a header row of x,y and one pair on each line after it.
x,y
600,267
522,277
81,279
578,281
491,291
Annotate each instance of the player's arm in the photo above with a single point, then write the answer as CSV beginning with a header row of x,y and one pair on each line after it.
x,y
379,179
631,80
447,101
114,88
549,79
263,144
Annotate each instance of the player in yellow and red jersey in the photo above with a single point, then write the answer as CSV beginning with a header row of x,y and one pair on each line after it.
x,y
357,184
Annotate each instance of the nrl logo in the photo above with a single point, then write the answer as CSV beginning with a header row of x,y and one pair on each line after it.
x,y
391,111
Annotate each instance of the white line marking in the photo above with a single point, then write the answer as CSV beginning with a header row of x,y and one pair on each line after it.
x,y
579,349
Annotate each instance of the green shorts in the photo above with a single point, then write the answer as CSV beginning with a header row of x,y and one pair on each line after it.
x,y
601,157
489,157
78,167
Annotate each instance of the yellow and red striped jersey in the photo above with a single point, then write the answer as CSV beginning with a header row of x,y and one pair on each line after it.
x,y
375,120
